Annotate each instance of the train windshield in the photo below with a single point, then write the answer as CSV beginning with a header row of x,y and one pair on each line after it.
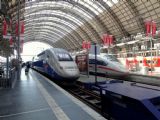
x,y
111,58
64,56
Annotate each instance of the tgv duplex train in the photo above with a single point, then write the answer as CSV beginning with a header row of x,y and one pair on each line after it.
x,y
107,65
58,64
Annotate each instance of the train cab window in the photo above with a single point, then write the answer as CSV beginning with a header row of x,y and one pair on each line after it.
x,y
91,61
64,57
111,58
99,62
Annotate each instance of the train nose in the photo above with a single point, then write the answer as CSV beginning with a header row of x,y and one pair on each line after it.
x,y
122,68
71,71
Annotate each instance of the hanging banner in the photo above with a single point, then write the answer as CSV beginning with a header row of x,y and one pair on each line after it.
x,y
83,44
86,45
4,28
22,27
148,27
153,28
82,63
107,40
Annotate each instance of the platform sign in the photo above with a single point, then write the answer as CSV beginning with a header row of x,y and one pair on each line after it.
x,y
82,63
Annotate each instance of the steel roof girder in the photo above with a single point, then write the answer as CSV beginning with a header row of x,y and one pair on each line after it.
x,y
73,22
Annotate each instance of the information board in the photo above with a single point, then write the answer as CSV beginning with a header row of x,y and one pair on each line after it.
x,y
82,63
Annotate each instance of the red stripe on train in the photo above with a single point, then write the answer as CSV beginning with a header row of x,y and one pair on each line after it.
x,y
109,69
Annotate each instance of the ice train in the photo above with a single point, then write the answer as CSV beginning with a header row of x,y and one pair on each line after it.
x,y
58,64
107,65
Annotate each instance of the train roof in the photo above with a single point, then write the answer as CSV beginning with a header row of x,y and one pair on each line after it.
x,y
53,50
58,50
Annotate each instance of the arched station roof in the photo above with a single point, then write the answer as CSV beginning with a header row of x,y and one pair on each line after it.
x,y
66,23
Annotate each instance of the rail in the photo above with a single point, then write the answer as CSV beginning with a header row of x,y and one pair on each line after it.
x,y
89,97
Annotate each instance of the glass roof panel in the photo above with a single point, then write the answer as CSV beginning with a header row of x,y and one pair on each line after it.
x,y
31,22
45,25
110,3
45,35
61,4
88,4
115,1
49,12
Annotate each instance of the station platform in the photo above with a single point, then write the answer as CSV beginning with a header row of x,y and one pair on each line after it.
x,y
35,97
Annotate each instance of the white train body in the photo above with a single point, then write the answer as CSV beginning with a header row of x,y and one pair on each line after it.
x,y
58,64
107,65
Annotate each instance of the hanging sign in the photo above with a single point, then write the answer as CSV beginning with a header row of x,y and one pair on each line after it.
x,y
5,26
150,28
107,40
86,45
82,63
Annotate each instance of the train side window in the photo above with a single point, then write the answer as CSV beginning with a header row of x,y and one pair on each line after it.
x,y
91,61
99,62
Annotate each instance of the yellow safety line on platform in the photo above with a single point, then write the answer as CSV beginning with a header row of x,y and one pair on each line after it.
x,y
58,112
87,109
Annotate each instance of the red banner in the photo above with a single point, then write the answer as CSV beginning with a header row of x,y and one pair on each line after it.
x,y
86,45
148,27
83,44
22,27
107,39
153,28
5,27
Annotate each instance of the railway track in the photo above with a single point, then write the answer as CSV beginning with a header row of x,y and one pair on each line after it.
x,y
89,97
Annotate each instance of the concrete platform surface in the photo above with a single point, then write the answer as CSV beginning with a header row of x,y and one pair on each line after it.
x,y
34,97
